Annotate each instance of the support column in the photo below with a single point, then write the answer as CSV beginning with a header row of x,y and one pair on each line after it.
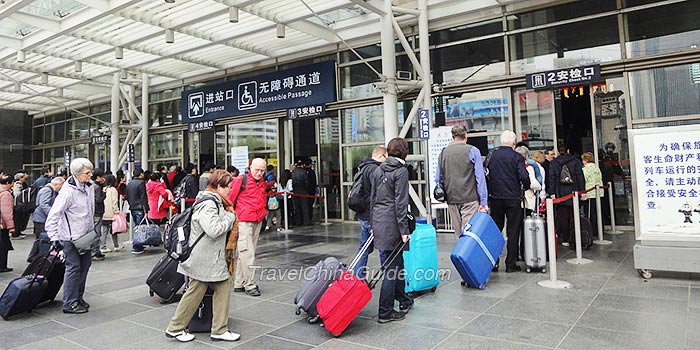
x,y
114,126
145,122
391,122
424,45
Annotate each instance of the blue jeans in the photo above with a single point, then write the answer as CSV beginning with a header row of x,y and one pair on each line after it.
x,y
137,217
360,269
393,284
77,267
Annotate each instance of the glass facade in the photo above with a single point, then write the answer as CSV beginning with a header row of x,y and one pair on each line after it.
x,y
482,63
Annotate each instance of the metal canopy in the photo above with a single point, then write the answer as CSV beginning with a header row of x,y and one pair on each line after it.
x,y
58,53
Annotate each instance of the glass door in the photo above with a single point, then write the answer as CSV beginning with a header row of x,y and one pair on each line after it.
x,y
534,118
328,166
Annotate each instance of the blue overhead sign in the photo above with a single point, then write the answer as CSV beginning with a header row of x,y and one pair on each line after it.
x,y
423,124
297,87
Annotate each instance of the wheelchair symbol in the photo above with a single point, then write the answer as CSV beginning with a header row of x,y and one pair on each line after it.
x,y
248,95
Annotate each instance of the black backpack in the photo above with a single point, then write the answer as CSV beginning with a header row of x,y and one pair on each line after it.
x,y
25,203
358,198
177,233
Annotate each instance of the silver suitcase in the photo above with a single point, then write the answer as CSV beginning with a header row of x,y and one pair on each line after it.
x,y
534,241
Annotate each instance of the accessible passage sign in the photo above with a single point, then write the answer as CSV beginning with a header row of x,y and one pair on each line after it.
x,y
667,164
297,87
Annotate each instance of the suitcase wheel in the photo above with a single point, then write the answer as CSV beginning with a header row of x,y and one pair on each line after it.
x,y
528,270
482,287
150,292
543,270
297,312
313,320
433,289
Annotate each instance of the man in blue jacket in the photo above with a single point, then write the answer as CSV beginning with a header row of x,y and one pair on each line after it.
x,y
507,177
44,200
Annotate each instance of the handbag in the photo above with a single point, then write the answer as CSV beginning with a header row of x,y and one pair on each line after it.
x,y
439,193
84,243
273,203
147,233
119,223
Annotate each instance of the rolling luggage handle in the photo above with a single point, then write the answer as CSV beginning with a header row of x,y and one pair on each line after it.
x,y
354,261
377,275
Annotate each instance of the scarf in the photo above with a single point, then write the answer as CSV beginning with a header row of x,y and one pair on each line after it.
x,y
231,238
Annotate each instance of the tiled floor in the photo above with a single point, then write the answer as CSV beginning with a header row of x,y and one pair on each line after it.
x,y
608,307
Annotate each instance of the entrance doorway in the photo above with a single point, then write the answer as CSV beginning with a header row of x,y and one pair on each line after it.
x,y
573,119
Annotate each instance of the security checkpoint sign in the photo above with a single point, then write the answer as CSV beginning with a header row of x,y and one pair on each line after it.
x,y
667,182
200,126
306,112
297,87
563,77
424,124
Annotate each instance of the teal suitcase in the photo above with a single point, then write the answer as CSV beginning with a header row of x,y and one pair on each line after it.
x,y
421,260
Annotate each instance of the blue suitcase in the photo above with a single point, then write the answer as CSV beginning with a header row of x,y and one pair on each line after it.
x,y
477,250
22,295
421,260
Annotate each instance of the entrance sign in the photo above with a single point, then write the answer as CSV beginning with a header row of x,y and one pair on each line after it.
x,y
297,87
200,126
424,124
239,157
306,112
667,164
563,77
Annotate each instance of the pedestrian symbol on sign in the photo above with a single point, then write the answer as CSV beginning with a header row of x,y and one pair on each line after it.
x,y
196,105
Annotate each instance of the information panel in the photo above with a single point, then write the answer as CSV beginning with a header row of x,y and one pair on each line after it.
x,y
667,182
439,139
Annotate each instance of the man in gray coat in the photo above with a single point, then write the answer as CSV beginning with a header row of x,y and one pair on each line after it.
x,y
44,200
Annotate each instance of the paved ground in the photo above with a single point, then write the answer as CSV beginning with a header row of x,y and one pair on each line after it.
x,y
609,306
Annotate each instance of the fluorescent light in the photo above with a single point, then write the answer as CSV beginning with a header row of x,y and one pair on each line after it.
x,y
169,36
119,52
280,30
233,14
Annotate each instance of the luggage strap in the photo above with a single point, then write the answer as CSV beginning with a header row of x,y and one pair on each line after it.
x,y
481,244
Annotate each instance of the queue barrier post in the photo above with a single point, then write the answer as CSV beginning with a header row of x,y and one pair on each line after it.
x,y
613,229
599,216
325,208
579,260
552,282
286,214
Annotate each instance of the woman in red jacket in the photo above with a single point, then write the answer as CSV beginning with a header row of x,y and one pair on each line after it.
x,y
159,199
7,223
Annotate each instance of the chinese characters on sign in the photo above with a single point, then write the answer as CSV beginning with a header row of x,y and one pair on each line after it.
x,y
306,112
98,140
563,77
424,124
66,159
668,181
130,157
292,88
201,126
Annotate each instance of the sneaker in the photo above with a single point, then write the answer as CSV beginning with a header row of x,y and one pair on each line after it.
x,y
137,252
83,303
18,237
105,250
117,249
75,308
6,269
182,335
239,289
228,336
98,257
255,292
565,244
405,307
394,316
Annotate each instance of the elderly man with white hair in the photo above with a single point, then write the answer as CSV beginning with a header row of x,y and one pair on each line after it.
x,y
251,208
507,178
68,225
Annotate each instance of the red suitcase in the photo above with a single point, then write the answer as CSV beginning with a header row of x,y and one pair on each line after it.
x,y
346,297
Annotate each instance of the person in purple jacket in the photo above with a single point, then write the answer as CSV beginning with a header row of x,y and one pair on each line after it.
x,y
70,218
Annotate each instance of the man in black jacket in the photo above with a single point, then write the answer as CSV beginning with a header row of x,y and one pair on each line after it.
x,y
559,188
311,186
507,178
300,185
98,181
138,202
367,166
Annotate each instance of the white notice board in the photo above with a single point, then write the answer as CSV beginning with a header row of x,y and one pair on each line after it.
x,y
239,157
439,139
666,165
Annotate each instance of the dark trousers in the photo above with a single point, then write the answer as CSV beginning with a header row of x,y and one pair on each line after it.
x,y
502,209
564,222
77,267
393,284
301,211
590,211
38,229
5,247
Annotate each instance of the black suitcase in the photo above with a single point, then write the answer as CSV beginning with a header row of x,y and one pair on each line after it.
x,y
21,295
164,279
201,321
51,269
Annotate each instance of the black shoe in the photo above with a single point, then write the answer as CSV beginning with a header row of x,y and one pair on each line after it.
x,y
83,303
98,257
394,316
239,290
6,269
495,268
75,308
515,268
255,292
405,307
